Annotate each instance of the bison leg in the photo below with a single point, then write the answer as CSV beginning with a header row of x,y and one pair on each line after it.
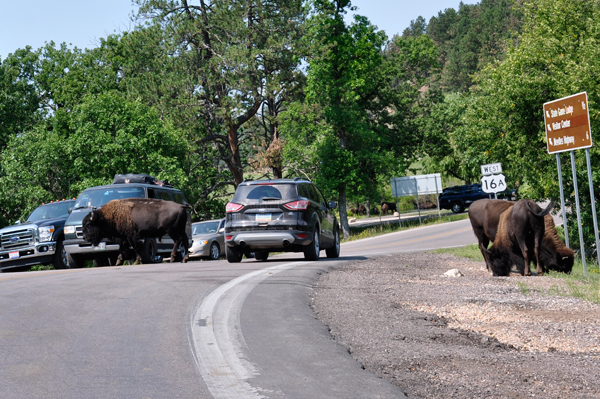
x,y
139,248
119,260
181,242
176,245
522,241
538,243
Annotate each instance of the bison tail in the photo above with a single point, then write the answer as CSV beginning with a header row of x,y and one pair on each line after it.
x,y
544,212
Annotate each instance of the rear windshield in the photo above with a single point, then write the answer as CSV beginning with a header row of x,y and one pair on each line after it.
x,y
205,227
51,211
100,196
265,192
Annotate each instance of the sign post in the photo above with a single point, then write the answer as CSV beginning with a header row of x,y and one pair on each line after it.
x,y
567,124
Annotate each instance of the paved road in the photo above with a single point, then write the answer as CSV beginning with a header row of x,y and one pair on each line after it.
x,y
196,330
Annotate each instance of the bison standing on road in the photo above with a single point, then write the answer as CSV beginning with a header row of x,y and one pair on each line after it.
x,y
519,227
131,220
485,216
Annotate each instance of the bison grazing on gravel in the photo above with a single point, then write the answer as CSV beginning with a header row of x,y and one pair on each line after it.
x,y
519,227
485,215
129,221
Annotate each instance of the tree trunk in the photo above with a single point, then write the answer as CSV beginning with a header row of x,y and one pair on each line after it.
x,y
368,208
343,213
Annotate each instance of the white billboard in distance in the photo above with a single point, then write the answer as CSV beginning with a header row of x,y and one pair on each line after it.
x,y
416,185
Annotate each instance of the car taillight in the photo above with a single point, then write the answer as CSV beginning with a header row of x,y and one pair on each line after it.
x,y
302,235
228,237
300,205
233,207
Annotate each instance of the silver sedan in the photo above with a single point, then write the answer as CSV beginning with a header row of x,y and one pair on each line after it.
x,y
209,239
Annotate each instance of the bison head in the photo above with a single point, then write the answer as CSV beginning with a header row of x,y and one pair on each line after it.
x,y
561,262
497,260
92,227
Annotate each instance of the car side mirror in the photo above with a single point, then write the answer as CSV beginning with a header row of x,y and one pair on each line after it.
x,y
18,222
222,230
70,210
332,204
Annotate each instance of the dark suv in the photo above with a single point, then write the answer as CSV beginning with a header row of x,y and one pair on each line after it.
x,y
39,240
457,198
281,215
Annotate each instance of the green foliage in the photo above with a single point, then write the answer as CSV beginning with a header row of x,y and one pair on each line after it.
x,y
470,38
100,137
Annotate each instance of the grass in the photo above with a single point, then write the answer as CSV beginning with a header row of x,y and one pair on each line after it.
x,y
575,285
468,251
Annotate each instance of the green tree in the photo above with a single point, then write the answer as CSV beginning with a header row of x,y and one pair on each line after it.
x,y
233,51
352,120
20,107
100,137
470,38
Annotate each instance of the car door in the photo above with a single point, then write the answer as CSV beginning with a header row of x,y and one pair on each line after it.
x,y
324,213
221,236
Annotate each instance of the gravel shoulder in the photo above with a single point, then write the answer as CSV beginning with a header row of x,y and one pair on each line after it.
x,y
462,337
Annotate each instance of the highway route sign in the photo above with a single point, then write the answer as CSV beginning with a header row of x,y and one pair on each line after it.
x,y
493,183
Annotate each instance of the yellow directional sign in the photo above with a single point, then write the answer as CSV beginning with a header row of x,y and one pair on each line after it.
x,y
567,123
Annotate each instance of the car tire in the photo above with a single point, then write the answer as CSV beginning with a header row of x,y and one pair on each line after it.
x,y
60,260
180,254
313,250
261,255
75,261
233,255
334,252
457,207
215,251
150,250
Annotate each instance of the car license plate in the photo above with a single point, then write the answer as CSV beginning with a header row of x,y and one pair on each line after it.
x,y
263,217
13,255
100,247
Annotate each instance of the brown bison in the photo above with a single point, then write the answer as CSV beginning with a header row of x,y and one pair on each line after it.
x,y
519,228
384,209
390,206
484,216
129,221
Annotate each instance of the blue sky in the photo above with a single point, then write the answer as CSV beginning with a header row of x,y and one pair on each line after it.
x,y
82,22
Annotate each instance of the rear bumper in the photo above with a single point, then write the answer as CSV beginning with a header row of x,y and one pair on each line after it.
x,y
268,239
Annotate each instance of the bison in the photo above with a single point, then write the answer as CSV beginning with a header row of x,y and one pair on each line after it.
x,y
484,216
129,221
384,209
519,228
390,206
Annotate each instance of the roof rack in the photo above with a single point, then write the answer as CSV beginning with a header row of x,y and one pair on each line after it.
x,y
139,178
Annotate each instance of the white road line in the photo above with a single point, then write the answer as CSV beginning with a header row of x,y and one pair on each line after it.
x,y
217,341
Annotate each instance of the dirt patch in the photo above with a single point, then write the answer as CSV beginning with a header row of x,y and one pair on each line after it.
x,y
462,337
